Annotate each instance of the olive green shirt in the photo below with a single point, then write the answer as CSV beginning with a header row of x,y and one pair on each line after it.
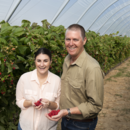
x,y
82,86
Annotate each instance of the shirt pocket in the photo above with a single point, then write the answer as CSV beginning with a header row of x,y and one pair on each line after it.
x,y
51,96
75,90
30,94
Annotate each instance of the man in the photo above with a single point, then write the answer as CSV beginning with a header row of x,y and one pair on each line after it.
x,y
81,84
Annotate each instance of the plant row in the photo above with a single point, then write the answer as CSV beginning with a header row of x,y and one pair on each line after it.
x,y
18,45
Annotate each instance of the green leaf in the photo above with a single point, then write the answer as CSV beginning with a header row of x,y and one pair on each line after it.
x,y
2,67
25,23
1,55
2,40
15,42
2,128
18,31
21,58
6,30
15,66
22,49
32,47
2,120
9,69
12,126
4,100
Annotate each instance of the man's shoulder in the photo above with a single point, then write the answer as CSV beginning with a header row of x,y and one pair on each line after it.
x,y
91,62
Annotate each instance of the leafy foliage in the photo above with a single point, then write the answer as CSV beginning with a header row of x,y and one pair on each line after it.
x,y
17,48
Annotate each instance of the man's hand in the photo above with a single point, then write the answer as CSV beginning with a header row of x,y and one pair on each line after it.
x,y
57,117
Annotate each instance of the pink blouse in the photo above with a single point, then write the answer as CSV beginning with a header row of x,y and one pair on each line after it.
x,y
28,88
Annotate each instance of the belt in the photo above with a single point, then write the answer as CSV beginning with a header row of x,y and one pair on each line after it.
x,y
84,120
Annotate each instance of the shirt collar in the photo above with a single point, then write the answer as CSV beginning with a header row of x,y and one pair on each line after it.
x,y
35,78
79,60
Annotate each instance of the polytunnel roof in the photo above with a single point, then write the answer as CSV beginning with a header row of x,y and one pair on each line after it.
x,y
101,16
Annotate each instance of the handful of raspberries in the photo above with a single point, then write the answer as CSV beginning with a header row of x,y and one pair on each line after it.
x,y
38,102
53,112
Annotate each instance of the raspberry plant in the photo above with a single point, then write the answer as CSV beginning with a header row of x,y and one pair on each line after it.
x,y
17,47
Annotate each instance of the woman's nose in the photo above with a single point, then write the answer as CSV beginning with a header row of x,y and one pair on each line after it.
x,y
42,63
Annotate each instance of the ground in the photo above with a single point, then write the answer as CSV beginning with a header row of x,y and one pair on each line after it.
x,y
115,114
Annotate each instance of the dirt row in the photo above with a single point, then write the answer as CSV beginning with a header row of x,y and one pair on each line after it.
x,y
115,114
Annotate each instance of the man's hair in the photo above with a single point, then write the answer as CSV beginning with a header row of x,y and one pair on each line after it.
x,y
75,27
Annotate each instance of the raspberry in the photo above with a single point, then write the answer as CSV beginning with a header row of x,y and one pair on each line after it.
x,y
38,102
53,112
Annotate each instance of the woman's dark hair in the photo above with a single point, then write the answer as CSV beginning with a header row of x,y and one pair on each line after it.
x,y
43,51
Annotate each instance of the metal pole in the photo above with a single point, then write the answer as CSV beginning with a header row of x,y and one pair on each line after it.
x,y
101,14
86,11
13,10
111,17
59,12
114,21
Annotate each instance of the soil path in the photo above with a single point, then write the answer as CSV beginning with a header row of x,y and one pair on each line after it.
x,y
115,114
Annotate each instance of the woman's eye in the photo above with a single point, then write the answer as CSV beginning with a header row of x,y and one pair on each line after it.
x,y
45,60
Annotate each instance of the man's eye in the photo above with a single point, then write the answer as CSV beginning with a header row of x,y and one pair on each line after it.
x,y
38,60
75,39
67,39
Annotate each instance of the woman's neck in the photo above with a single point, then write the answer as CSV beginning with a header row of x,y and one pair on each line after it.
x,y
42,77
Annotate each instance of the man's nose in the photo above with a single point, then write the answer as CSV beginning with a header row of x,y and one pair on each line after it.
x,y
71,42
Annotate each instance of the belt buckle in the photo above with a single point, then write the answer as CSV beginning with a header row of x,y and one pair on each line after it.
x,y
67,118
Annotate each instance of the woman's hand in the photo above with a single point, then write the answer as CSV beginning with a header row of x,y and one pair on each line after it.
x,y
45,103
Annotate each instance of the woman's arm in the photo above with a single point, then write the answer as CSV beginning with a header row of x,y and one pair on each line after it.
x,y
27,103
20,100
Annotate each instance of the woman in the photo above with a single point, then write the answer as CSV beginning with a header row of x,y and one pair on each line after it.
x,y
32,86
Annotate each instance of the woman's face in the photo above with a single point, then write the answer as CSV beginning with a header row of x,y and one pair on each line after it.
x,y
42,63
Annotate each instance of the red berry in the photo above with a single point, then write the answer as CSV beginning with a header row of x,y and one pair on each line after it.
x,y
3,80
13,68
38,102
53,112
4,60
0,73
2,92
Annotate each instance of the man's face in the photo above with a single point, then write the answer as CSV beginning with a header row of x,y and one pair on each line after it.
x,y
74,43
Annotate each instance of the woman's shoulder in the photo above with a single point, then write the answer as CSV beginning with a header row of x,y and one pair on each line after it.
x,y
54,76
26,75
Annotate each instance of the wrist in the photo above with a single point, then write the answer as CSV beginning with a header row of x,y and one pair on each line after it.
x,y
49,104
69,112
65,112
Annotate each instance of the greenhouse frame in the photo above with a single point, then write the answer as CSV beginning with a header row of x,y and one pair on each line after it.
x,y
100,16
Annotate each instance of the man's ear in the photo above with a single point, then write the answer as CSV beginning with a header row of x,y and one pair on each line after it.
x,y
84,41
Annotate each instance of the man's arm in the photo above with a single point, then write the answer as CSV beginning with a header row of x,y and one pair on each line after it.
x,y
94,92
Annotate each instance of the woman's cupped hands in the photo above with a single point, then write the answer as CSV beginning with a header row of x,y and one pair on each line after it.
x,y
41,103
